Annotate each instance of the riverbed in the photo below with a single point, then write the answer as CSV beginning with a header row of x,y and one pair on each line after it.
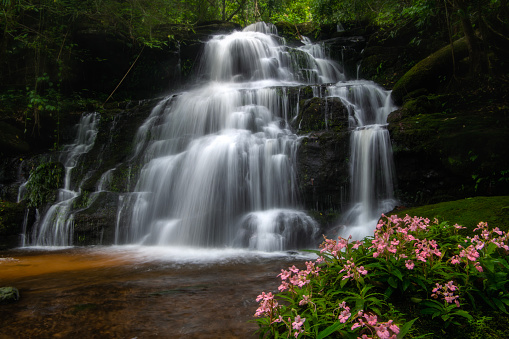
x,y
137,292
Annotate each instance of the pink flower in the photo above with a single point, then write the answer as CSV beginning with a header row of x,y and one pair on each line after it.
x,y
298,322
409,264
283,287
344,315
354,326
284,274
305,300
478,267
371,319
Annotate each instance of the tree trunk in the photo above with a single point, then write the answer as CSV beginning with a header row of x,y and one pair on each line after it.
x,y
473,43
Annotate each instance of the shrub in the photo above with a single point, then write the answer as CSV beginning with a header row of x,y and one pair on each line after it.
x,y
409,269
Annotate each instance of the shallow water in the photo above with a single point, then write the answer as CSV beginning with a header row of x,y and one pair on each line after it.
x,y
136,292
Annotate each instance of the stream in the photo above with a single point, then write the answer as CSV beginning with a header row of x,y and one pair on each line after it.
x,y
136,292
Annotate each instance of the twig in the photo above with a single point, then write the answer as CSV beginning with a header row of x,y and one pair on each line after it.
x,y
124,76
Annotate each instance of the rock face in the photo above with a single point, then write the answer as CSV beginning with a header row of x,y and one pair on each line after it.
x,y
322,157
448,147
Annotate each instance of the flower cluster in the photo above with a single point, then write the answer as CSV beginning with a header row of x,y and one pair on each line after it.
x,y
297,325
408,255
269,307
393,240
293,277
446,291
382,330
344,312
353,271
472,252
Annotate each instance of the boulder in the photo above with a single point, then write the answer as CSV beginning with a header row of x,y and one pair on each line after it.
x,y
8,295
428,72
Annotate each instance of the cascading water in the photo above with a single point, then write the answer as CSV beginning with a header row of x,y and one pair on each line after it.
x,y
371,156
220,161
55,228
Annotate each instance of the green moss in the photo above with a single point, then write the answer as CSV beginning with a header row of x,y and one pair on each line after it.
x,y
466,212
43,183
427,72
11,217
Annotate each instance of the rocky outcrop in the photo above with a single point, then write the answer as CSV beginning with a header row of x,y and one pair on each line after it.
x,y
448,147
322,157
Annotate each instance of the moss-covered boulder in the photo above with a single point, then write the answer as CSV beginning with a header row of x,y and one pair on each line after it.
x,y
43,184
8,295
95,223
429,72
449,146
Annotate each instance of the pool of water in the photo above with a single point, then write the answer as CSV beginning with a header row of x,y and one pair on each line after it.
x,y
136,292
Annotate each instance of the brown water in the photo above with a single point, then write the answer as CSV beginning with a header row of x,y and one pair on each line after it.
x,y
133,293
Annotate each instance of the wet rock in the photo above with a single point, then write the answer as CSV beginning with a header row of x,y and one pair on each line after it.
x,y
318,114
8,295
322,157
95,224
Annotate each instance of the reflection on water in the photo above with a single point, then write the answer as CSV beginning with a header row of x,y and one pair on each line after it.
x,y
143,292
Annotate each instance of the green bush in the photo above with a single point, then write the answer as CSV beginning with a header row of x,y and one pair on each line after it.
x,y
411,271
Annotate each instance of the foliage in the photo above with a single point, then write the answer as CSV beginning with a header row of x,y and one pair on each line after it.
x,y
43,182
364,288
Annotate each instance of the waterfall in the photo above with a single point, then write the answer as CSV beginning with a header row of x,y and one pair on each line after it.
x,y
215,166
371,166
55,228
219,165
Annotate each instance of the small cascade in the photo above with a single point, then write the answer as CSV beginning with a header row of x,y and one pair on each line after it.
x,y
371,168
56,226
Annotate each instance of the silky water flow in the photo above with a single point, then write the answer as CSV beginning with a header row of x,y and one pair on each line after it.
x,y
218,162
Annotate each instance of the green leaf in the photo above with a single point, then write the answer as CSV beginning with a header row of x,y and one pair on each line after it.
x,y
403,330
465,314
393,283
398,274
500,305
329,330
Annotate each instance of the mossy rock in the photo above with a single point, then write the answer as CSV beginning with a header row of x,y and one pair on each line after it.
x,y
95,223
43,184
323,173
8,295
427,72
447,147
318,114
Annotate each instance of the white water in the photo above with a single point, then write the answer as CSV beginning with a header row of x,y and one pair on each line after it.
x,y
219,166
371,164
56,226
219,161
